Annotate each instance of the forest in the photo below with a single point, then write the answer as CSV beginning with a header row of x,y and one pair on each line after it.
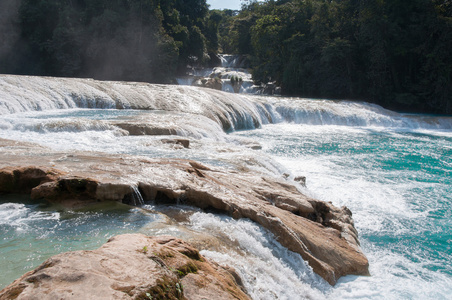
x,y
395,53
139,40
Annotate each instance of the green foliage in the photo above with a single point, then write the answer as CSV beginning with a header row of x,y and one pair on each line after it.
x,y
394,53
165,288
212,30
186,269
143,250
222,29
142,40
236,80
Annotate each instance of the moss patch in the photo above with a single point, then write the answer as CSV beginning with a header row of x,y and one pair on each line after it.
x,y
164,289
186,269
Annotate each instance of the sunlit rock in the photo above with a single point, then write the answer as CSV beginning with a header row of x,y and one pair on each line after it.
x,y
322,234
130,266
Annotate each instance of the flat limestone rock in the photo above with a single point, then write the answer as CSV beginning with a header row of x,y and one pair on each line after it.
x,y
129,266
321,233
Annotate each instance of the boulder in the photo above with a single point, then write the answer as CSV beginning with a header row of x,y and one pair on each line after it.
x,y
145,129
162,123
211,83
301,180
130,266
185,143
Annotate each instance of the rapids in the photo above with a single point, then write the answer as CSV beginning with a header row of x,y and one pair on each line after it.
x,y
394,171
232,67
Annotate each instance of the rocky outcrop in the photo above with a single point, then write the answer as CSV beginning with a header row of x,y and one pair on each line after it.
x,y
23,180
130,266
163,123
321,233
211,83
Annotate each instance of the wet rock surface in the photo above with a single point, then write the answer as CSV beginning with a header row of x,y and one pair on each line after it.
x,y
321,233
130,266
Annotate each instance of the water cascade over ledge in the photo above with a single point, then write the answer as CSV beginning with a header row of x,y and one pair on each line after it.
x,y
231,75
232,112
77,140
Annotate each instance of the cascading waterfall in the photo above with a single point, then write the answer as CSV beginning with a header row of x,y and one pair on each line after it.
x,y
232,112
231,74
392,170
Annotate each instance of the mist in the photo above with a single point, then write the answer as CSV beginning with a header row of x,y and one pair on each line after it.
x,y
9,32
80,39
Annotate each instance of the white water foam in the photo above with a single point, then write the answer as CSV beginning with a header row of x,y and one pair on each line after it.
x,y
18,215
349,113
336,159
231,111
394,182
268,270
28,93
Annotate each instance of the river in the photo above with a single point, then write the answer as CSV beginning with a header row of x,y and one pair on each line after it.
x,y
394,172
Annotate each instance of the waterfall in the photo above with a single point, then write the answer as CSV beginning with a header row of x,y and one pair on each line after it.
x,y
20,94
349,113
392,170
230,76
137,199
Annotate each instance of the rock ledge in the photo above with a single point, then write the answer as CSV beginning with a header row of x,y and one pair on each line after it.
x,y
321,233
130,266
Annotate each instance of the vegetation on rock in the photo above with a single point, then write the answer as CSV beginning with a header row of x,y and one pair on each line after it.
x,y
118,271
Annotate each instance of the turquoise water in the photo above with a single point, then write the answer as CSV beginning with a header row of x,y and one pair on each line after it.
x,y
398,184
31,231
